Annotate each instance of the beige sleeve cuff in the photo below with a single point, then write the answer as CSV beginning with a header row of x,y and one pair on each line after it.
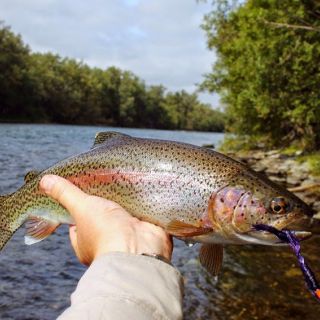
x,y
126,286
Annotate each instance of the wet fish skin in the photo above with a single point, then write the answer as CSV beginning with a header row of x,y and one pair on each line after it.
x,y
190,191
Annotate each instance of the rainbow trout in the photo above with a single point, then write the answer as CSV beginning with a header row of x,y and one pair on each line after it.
x,y
194,193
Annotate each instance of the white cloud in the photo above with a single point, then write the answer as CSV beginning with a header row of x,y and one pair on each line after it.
x,y
159,40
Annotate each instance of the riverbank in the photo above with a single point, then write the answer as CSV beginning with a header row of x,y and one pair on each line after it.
x,y
292,171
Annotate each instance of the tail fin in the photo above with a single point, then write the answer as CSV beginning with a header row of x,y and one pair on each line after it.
x,y
5,233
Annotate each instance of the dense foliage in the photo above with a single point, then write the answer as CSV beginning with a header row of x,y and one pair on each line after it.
x,y
267,69
47,88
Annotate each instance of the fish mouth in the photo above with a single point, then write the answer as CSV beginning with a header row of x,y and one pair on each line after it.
x,y
267,238
302,235
301,227
297,225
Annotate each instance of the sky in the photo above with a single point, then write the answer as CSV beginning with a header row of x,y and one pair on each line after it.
x,y
159,40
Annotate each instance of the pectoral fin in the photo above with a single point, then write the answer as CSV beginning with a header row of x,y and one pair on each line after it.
x,y
38,228
211,256
182,229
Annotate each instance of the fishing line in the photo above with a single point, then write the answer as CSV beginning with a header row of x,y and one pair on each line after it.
x,y
289,237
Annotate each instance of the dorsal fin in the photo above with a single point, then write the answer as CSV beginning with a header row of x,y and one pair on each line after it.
x,y
31,175
102,137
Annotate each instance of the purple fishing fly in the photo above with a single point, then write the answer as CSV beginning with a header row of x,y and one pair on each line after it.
x,y
289,237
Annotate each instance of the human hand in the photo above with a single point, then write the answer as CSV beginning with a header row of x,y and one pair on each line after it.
x,y
103,226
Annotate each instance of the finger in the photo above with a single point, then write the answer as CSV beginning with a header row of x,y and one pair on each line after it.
x,y
74,240
67,194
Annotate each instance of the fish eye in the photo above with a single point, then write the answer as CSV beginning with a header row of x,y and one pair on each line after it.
x,y
277,208
279,205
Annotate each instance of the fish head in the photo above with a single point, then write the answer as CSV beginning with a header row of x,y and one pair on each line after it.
x,y
253,200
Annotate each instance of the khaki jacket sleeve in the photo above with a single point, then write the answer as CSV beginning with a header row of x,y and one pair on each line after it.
x,y
124,286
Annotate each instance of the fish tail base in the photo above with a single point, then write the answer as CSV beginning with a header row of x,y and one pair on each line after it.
x,y
5,236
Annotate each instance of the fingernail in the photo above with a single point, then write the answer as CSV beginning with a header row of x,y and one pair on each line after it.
x,y
47,183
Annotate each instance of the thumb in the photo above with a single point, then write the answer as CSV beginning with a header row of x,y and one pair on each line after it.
x,y
66,193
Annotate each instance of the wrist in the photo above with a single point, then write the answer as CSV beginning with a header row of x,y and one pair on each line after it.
x,y
162,253
158,257
161,247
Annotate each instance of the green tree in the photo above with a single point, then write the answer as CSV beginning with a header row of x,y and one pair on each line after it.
x,y
132,100
13,65
48,88
109,96
179,106
155,115
267,69
204,118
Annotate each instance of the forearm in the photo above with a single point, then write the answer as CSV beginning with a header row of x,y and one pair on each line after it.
x,y
125,286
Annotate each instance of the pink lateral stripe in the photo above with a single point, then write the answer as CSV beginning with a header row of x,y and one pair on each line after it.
x,y
100,176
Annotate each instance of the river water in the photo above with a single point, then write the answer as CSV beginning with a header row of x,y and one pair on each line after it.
x,y
36,281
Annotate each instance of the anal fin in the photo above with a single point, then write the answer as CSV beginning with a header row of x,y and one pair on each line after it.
x,y
182,229
38,228
211,256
